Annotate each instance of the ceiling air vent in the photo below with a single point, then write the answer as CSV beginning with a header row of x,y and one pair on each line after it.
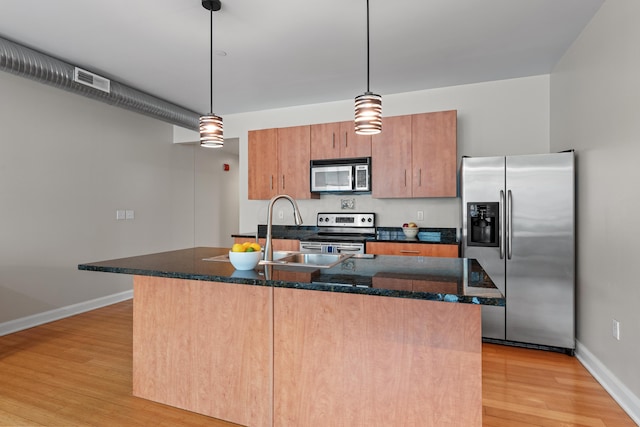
x,y
92,80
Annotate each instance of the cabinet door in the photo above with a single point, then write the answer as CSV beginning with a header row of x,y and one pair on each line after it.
x,y
412,249
325,141
391,158
262,164
434,161
294,145
282,244
352,144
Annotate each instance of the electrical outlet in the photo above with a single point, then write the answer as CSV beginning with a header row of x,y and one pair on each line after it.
x,y
129,214
616,329
120,214
420,215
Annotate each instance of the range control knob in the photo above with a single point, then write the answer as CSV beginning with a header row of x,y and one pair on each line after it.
x,y
326,219
370,219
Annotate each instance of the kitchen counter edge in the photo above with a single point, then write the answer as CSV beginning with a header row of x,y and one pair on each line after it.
x,y
153,265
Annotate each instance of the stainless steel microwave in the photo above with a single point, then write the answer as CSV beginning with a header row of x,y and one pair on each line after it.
x,y
341,175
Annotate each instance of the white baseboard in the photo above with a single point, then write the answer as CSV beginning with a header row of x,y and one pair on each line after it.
x,y
60,313
620,393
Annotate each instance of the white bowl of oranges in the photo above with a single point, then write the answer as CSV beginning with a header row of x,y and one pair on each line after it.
x,y
245,256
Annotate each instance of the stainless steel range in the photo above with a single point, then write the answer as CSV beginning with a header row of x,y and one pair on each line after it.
x,y
341,233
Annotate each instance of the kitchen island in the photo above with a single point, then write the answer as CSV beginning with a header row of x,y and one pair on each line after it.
x,y
388,341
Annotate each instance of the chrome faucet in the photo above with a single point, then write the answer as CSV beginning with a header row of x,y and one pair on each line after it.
x,y
268,248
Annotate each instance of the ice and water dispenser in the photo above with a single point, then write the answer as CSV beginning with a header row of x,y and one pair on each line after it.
x,y
483,224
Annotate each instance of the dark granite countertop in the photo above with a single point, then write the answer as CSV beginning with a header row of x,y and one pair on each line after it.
x,y
383,234
459,280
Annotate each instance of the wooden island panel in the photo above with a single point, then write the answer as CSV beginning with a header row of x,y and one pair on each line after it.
x,y
205,347
356,360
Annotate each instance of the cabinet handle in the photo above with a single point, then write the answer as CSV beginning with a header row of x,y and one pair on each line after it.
x,y
420,177
333,140
409,252
346,141
405,177
283,181
271,182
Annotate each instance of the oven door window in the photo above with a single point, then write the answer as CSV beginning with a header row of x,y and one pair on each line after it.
x,y
332,178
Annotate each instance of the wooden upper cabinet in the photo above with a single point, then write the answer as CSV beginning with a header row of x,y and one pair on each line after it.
x,y
294,156
338,141
262,164
325,141
352,144
434,160
415,156
391,172
278,163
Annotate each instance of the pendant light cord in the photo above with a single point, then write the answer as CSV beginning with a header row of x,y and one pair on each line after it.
x,y
368,46
211,59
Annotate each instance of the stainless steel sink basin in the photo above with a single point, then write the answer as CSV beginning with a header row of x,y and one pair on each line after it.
x,y
297,259
306,260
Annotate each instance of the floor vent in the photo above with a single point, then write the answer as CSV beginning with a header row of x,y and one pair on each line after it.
x,y
92,80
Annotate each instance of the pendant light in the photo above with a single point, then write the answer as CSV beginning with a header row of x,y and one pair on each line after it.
x,y
368,105
210,124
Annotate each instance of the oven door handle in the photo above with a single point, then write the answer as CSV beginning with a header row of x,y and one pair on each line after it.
x,y
311,246
349,248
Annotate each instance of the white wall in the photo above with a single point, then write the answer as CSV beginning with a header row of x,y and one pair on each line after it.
x,y
66,164
494,118
595,107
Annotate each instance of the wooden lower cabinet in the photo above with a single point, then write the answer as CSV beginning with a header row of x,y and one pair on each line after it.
x,y
412,283
278,244
205,347
264,356
358,360
413,249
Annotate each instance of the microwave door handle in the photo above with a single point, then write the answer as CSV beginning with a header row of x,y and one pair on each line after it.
x,y
353,177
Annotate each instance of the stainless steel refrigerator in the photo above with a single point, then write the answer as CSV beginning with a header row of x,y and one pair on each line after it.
x,y
518,221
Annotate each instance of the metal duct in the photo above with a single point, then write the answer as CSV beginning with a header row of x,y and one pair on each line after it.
x,y
34,65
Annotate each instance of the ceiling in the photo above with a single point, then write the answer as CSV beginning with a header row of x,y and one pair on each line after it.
x,y
295,52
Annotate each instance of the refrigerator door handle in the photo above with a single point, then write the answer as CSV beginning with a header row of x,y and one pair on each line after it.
x,y
509,227
502,226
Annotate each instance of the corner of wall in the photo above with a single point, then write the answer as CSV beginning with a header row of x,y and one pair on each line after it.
x,y
629,402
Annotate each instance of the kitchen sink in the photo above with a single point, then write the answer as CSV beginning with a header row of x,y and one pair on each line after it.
x,y
298,259
306,259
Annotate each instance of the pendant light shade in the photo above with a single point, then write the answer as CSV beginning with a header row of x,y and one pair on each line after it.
x,y
368,114
211,129
368,106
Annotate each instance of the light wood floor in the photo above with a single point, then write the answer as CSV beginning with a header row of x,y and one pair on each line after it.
x,y
77,372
